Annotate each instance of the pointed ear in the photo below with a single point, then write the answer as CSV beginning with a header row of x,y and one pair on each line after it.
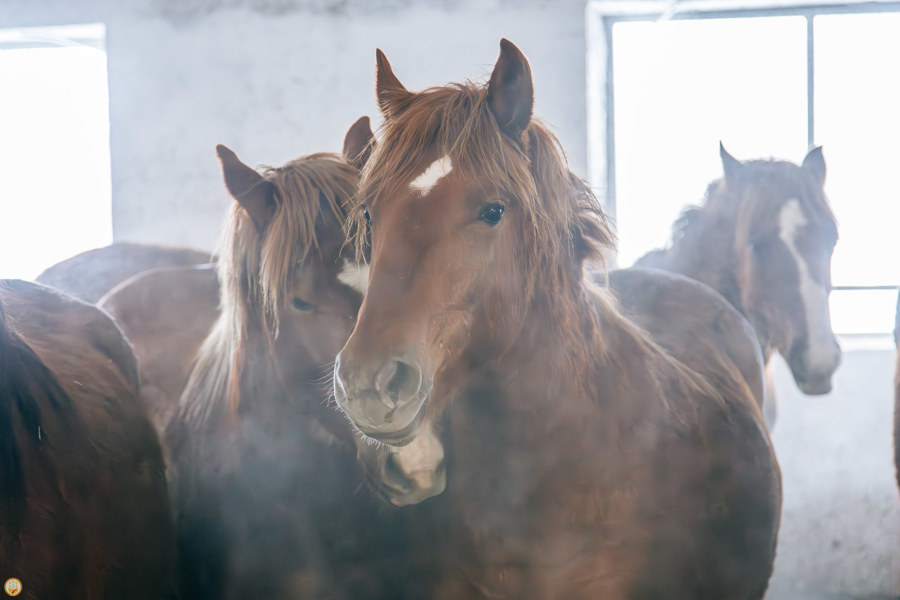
x,y
252,192
510,91
815,164
730,165
388,89
358,143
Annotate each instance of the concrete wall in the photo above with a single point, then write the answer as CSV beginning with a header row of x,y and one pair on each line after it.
x,y
275,79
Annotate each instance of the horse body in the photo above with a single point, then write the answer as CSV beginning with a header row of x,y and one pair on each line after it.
x,y
691,321
763,239
583,460
90,275
85,508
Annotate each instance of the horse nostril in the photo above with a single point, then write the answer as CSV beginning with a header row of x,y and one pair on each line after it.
x,y
396,382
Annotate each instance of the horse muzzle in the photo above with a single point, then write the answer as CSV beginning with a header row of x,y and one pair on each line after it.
x,y
406,475
386,400
813,368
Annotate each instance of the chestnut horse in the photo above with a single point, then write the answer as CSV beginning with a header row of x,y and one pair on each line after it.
x,y
84,511
583,460
270,498
90,275
763,238
687,318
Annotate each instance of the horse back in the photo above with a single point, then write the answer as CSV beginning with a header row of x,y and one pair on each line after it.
x,y
91,274
692,322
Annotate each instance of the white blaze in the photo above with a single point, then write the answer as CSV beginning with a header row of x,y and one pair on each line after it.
x,y
355,275
435,171
421,458
822,349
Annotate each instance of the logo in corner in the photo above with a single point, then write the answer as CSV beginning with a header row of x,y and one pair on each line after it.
x,y
12,587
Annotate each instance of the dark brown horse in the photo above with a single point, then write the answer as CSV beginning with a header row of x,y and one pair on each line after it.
x,y
763,238
583,461
90,275
270,499
84,512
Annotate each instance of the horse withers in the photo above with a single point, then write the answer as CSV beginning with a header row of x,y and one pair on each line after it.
x,y
84,511
583,460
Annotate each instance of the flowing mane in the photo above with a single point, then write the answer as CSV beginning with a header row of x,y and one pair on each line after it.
x,y
563,213
723,204
255,272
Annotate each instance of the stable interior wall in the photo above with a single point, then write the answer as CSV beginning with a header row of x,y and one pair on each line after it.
x,y
274,80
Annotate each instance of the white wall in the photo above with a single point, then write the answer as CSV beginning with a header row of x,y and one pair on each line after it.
x,y
279,79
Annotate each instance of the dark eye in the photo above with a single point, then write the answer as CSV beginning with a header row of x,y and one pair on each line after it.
x,y
301,304
367,215
492,213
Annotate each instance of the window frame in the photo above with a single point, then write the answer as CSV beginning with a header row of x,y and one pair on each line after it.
x,y
602,15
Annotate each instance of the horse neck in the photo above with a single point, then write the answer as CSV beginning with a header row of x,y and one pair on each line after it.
x,y
705,250
565,365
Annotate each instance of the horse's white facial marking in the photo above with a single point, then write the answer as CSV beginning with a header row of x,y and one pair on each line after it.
x,y
421,458
355,275
822,348
435,172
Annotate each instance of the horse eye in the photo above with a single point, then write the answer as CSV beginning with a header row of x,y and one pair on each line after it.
x,y
301,304
492,213
367,215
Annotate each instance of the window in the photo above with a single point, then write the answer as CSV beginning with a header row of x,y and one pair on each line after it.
x,y
767,83
55,198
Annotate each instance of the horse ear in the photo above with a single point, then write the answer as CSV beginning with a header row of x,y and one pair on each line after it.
x,y
730,165
815,164
388,89
252,192
358,143
510,91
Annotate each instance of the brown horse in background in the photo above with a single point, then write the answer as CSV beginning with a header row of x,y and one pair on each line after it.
x,y
270,497
84,512
90,275
166,314
763,238
583,460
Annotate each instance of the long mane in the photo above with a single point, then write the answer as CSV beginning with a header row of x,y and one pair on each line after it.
x,y
256,271
564,215
724,204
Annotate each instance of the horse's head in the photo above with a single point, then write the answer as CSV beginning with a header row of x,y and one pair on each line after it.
x,y
287,275
784,238
466,199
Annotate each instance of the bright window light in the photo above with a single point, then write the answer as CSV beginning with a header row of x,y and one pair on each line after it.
x,y
55,197
682,86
